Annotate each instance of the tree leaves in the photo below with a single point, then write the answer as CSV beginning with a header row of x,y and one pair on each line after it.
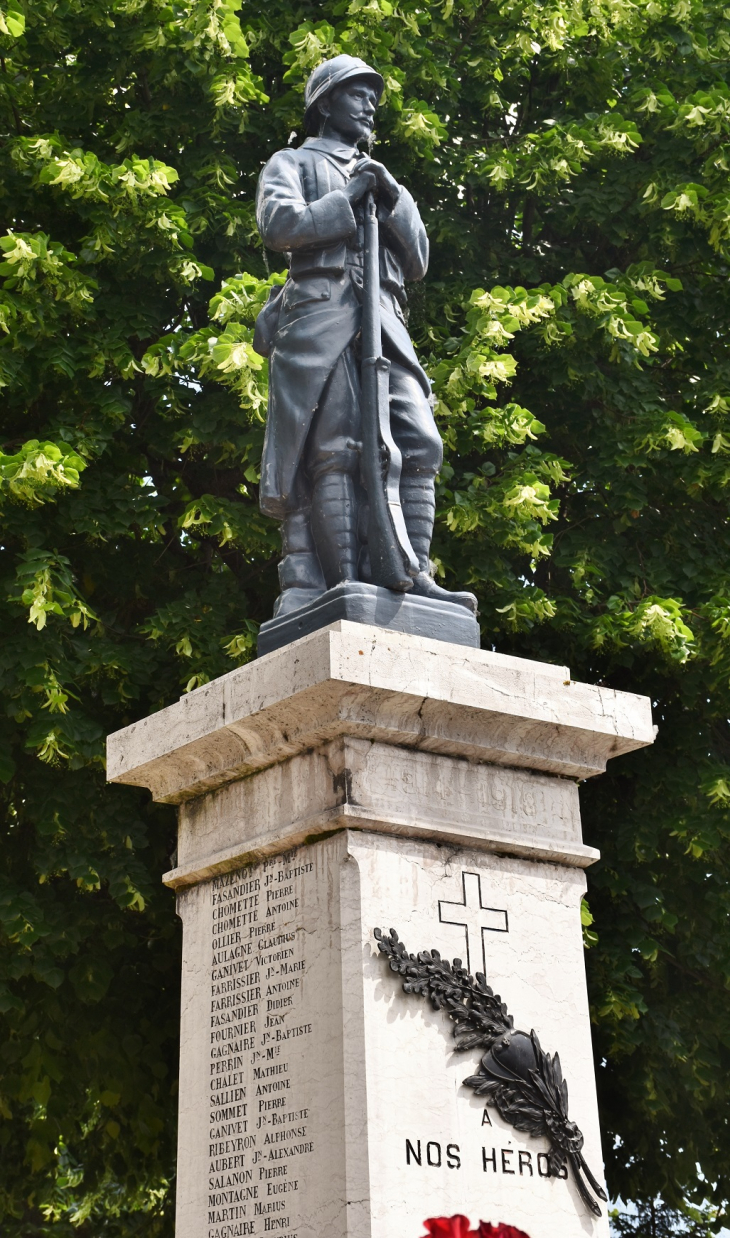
x,y
571,162
38,471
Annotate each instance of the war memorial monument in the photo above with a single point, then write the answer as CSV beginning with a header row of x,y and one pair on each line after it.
x,y
380,864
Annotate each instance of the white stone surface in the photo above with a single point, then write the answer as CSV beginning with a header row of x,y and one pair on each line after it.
x,y
363,777
371,683
315,1069
374,786
261,1106
414,1077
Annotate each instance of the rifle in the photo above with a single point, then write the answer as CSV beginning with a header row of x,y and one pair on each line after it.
x,y
392,560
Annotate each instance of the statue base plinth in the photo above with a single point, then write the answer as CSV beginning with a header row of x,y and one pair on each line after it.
x,y
382,608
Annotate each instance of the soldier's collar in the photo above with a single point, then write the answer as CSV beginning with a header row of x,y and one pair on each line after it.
x,y
330,146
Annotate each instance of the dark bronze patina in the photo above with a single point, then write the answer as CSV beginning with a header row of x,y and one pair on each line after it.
x,y
352,450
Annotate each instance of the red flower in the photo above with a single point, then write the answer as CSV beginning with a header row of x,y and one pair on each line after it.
x,y
500,1231
449,1227
458,1227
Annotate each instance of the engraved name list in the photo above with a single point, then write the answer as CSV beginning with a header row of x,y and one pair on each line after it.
x,y
259,1112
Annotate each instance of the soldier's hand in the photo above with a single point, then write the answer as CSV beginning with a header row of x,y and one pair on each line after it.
x,y
388,189
358,186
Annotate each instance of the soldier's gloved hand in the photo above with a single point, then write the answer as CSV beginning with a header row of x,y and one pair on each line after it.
x,y
360,184
388,189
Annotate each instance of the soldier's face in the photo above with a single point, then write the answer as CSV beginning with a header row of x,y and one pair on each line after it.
x,y
349,110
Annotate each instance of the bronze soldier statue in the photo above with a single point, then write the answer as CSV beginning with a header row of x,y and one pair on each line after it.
x,y
316,204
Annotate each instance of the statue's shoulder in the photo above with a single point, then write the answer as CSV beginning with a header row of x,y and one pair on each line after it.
x,y
288,160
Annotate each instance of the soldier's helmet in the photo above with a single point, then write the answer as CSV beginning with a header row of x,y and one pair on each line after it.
x,y
326,76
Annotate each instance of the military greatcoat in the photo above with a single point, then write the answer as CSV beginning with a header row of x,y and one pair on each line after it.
x,y
301,209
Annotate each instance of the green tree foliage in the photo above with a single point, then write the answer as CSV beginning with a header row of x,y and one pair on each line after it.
x,y
654,1219
571,159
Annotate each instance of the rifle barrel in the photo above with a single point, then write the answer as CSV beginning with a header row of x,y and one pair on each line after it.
x,y
392,560
372,343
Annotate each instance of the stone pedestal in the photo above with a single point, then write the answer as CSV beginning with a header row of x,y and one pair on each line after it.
x,y
366,778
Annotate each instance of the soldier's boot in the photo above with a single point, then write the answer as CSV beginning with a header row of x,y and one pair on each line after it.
x,y
418,500
334,525
300,574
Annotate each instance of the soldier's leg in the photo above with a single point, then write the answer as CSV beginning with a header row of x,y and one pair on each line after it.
x,y
415,432
331,463
300,574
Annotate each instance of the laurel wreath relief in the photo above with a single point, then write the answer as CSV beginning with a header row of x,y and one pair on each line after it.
x,y
523,1083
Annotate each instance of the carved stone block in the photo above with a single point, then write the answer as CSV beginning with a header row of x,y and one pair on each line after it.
x,y
357,779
